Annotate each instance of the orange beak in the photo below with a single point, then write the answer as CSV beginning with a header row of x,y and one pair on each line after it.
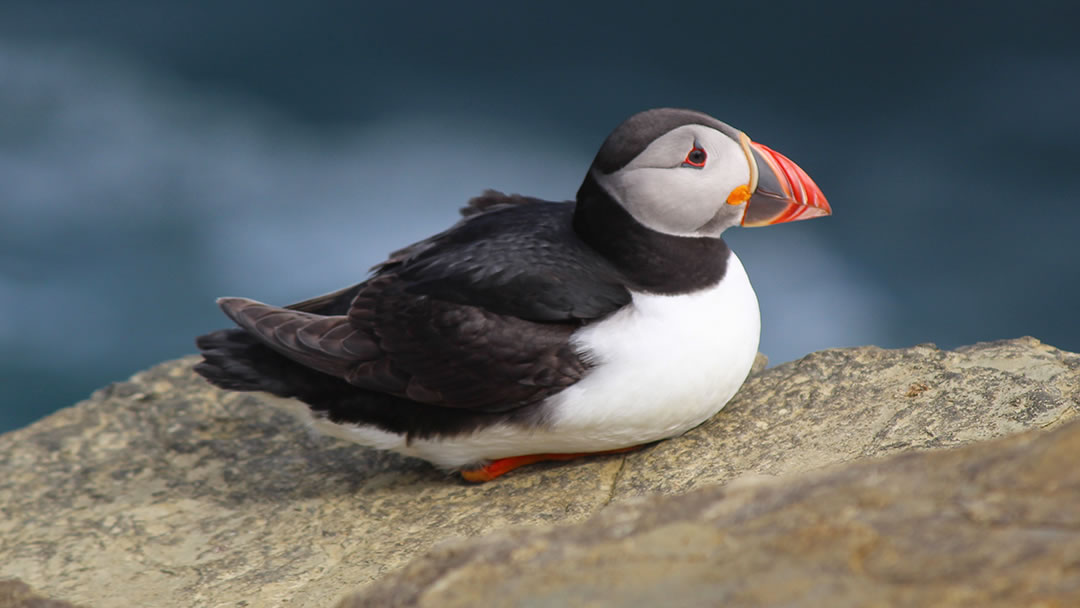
x,y
783,192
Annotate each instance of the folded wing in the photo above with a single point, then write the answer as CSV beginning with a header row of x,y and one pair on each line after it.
x,y
477,317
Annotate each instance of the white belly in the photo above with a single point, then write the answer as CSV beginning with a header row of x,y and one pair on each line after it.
x,y
664,364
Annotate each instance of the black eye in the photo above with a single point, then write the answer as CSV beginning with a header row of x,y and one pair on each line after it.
x,y
696,158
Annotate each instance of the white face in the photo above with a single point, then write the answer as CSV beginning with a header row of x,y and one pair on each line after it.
x,y
666,190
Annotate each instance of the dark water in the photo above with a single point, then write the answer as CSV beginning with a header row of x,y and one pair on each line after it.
x,y
153,157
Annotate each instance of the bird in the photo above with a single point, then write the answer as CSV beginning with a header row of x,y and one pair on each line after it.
x,y
535,330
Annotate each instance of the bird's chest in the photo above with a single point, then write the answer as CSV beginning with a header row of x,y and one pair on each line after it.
x,y
664,364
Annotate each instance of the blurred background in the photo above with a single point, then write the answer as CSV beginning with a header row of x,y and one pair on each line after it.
x,y
154,156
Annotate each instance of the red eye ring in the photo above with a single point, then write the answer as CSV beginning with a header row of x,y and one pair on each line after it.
x,y
696,158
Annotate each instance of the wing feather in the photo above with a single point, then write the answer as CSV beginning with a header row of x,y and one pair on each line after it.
x,y
477,317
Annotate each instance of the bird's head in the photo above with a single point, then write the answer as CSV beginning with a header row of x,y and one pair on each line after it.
x,y
684,173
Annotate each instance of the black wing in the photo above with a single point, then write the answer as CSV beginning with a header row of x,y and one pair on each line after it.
x,y
477,317
515,256
510,254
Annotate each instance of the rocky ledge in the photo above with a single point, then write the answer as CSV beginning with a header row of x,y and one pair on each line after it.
x,y
165,491
991,524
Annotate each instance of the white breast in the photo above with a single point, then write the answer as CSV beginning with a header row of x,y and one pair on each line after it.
x,y
664,364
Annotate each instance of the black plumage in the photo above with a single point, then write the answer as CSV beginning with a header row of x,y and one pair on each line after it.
x,y
518,257
464,329
472,326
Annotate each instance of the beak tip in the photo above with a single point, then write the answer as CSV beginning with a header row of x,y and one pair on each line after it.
x,y
790,192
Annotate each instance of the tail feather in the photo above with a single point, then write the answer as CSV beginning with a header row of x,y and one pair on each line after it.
x,y
235,360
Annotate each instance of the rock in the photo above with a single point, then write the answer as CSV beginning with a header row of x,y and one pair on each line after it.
x,y
17,594
991,524
165,491
841,404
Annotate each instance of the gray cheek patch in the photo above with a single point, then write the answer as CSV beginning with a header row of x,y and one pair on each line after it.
x,y
657,199
664,194
726,217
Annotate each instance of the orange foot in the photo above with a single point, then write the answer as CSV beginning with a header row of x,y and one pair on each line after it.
x,y
504,465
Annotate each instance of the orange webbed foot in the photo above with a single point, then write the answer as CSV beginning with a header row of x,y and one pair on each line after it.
x,y
502,466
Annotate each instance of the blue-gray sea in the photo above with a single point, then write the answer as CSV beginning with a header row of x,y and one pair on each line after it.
x,y
155,156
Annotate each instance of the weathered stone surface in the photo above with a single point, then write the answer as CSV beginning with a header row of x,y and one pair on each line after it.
x,y
165,491
17,594
841,404
991,524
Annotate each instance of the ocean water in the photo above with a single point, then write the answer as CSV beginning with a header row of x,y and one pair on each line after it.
x,y
135,189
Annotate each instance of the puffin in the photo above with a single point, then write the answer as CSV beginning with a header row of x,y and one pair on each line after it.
x,y
534,330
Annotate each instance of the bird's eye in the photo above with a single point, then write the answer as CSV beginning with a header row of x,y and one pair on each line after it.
x,y
696,158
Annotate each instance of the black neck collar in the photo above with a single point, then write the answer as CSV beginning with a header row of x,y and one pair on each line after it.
x,y
650,261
